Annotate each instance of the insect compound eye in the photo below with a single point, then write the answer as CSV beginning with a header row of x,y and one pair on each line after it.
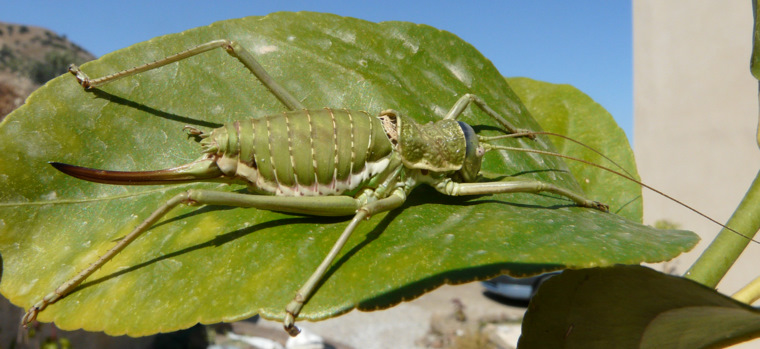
x,y
471,140
473,154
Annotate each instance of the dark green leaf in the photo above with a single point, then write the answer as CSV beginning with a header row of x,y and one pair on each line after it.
x,y
633,307
212,264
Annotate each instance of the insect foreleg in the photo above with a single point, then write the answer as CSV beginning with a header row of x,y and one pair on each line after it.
x,y
232,47
396,199
318,206
465,100
449,187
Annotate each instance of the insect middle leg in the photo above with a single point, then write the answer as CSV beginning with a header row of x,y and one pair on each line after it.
x,y
232,47
317,206
394,200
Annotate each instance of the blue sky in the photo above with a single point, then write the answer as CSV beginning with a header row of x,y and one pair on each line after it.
x,y
585,43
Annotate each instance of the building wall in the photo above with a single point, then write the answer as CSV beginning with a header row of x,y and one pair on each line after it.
x,y
695,116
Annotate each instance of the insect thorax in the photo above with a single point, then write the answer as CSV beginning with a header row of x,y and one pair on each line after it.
x,y
436,146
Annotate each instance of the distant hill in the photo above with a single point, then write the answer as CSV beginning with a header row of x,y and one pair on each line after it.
x,y
29,57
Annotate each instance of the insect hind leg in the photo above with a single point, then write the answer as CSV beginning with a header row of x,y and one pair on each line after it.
x,y
317,206
232,47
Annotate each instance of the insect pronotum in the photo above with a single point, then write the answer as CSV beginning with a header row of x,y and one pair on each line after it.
x,y
364,165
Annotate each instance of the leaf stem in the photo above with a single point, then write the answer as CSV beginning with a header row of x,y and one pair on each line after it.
x,y
715,261
750,293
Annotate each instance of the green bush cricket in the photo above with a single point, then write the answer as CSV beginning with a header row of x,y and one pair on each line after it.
x,y
321,162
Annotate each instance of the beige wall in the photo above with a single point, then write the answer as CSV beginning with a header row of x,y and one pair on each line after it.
x,y
695,115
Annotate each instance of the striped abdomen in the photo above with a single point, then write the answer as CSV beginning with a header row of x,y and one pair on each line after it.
x,y
305,152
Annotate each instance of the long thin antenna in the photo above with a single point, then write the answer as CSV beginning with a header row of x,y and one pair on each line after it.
x,y
523,134
628,177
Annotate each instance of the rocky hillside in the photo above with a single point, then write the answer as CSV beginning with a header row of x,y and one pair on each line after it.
x,y
30,56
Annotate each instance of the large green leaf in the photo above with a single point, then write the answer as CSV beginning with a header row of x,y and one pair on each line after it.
x,y
633,307
213,264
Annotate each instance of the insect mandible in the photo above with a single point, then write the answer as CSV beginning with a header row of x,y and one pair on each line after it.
x,y
321,162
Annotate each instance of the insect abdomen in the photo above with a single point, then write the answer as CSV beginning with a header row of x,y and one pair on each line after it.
x,y
305,152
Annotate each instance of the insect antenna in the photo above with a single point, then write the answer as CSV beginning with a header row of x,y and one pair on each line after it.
x,y
523,134
623,173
